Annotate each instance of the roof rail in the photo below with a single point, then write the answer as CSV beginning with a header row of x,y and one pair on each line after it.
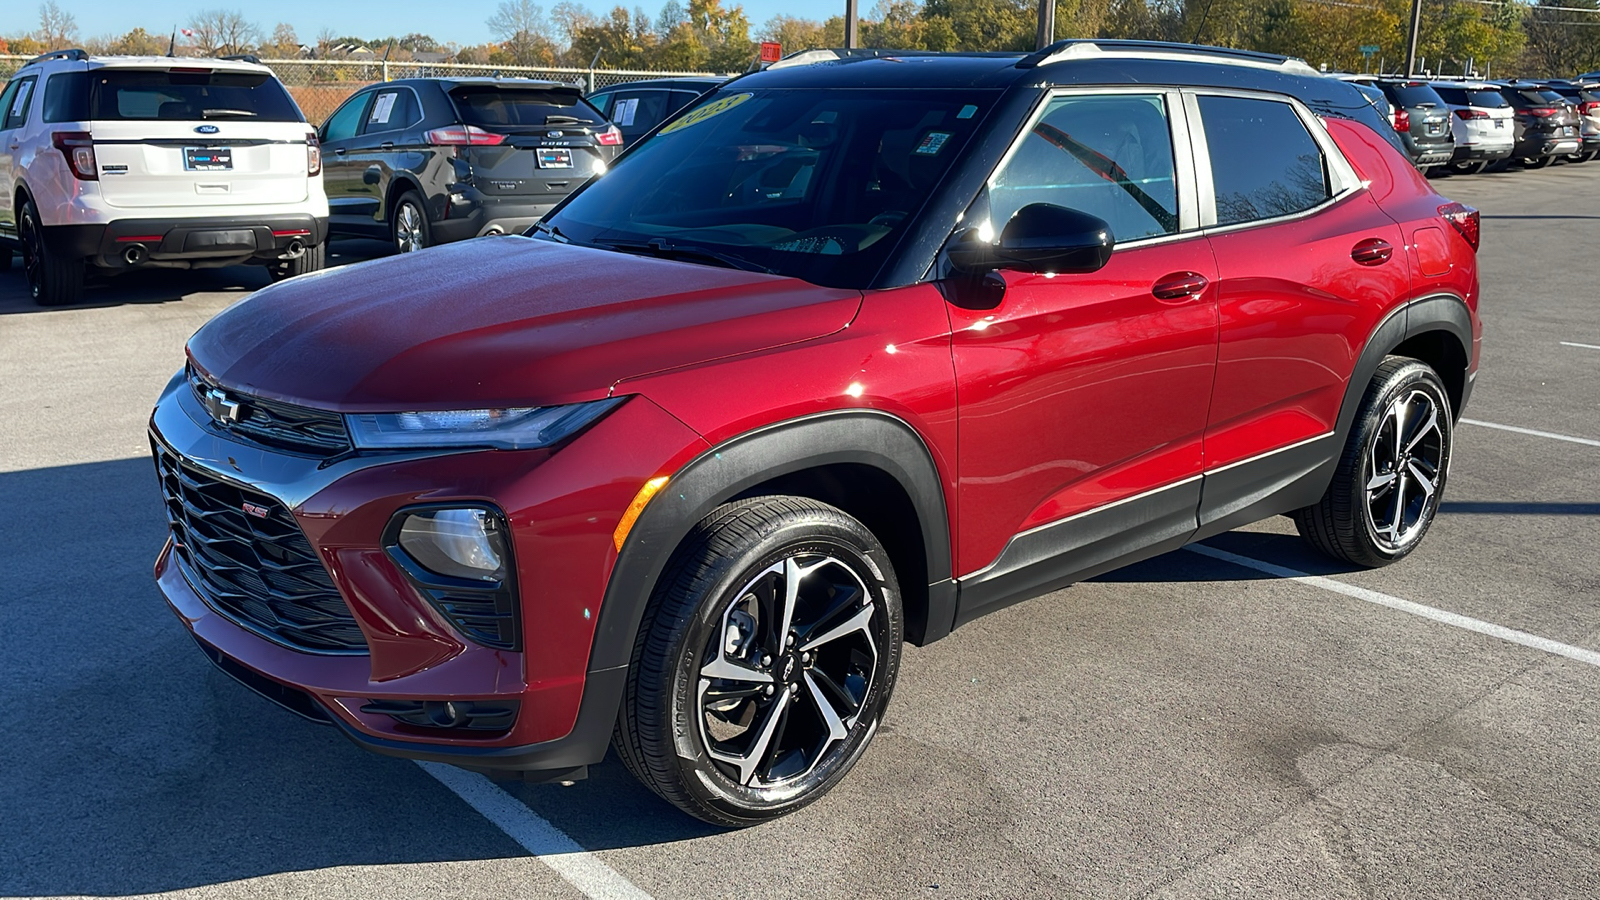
x,y
1071,49
815,56
72,54
241,57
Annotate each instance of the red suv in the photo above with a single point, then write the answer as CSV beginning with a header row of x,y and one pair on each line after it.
x,y
847,355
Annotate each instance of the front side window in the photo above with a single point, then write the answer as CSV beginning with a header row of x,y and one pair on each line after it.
x,y
343,123
6,97
1108,155
811,183
1264,163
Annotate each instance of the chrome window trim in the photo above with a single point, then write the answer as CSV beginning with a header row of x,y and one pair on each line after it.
x,y
1342,177
1183,165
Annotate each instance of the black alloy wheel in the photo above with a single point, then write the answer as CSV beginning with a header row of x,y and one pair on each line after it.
x,y
1385,492
765,663
52,279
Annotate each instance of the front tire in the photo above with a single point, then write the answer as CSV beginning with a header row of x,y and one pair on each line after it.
x,y
312,260
408,225
53,280
1386,489
764,662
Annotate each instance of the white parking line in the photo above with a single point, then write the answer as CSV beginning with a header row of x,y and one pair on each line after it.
x,y
1455,620
1584,346
1544,434
582,869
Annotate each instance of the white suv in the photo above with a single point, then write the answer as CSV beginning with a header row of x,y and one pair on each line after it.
x,y
1483,121
127,162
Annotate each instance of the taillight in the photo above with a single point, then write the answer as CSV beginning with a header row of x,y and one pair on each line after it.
x,y
1470,114
611,137
462,135
313,156
1542,112
1402,120
78,148
1589,108
1465,220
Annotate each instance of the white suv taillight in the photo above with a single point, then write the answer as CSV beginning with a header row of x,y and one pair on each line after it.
x,y
313,156
78,148
462,135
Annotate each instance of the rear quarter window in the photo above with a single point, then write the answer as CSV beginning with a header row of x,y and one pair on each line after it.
x,y
66,97
159,95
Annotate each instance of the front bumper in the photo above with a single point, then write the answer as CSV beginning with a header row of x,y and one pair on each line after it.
x,y
185,243
562,507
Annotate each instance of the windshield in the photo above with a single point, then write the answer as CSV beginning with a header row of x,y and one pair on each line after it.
x,y
1414,94
133,94
502,109
815,184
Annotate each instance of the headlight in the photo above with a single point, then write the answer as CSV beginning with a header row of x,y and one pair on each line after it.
x,y
524,428
458,543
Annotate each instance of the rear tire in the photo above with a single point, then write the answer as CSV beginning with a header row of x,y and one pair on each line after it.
x,y
54,280
1386,489
764,661
408,224
1472,168
312,260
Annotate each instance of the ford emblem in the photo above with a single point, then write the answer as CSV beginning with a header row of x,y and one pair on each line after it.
x,y
555,134
208,129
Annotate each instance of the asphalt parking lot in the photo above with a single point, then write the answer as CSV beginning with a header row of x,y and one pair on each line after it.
x,y
1191,726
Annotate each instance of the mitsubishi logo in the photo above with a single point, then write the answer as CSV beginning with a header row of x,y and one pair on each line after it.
x,y
220,407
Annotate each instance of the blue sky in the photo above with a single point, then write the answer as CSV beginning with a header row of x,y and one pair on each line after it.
x,y
461,21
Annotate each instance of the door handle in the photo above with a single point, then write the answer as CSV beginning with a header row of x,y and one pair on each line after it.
x,y
386,145
1372,252
1180,286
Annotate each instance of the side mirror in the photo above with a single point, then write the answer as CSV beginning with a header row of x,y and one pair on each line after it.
x,y
1041,237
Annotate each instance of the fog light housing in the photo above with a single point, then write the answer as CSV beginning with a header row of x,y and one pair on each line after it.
x,y
464,543
459,558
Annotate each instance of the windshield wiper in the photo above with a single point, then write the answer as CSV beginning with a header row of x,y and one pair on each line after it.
x,y
208,113
660,248
567,120
553,231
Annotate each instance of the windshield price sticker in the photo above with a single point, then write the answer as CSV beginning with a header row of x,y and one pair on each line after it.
x,y
710,110
933,143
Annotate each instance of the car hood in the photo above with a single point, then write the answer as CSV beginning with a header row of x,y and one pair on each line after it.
x,y
506,321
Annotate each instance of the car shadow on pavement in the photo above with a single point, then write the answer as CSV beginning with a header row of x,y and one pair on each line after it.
x,y
148,287
1184,565
134,767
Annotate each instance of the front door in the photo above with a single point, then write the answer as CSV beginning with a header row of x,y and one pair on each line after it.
x,y
342,170
1083,396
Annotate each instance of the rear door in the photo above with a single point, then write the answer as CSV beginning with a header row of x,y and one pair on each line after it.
x,y
537,140
191,136
637,111
387,143
1308,265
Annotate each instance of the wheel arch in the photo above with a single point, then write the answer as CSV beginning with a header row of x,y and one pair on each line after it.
x,y
1436,330
872,465
400,181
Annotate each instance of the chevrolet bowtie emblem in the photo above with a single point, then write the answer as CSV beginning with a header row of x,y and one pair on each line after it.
x,y
221,407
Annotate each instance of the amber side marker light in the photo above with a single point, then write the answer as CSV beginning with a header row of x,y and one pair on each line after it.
x,y
631,514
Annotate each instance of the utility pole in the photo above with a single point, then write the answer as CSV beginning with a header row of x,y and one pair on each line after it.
x,y
1047,23
1411,40
852,37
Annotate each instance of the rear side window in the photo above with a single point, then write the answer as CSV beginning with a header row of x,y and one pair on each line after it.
x,y
1109,156
640,110
66,97
1264,163
153,94
499,109
14,114
392,111
1414,93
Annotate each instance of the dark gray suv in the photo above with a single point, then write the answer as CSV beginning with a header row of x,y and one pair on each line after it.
x,y
1422,119
425,161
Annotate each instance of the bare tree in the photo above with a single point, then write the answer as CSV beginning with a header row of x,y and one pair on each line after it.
x,y
568,19
285,44
523,30
222,32
57,27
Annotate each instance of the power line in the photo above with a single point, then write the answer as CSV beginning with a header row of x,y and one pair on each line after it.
x,y
1535,8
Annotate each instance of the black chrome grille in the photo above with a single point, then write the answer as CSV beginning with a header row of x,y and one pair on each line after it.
x,y
282,426
256,567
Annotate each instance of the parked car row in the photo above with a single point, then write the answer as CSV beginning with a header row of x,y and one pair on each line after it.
x,y
1468,127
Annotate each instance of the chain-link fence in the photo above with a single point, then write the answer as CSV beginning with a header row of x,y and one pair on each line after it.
x,y
320,85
